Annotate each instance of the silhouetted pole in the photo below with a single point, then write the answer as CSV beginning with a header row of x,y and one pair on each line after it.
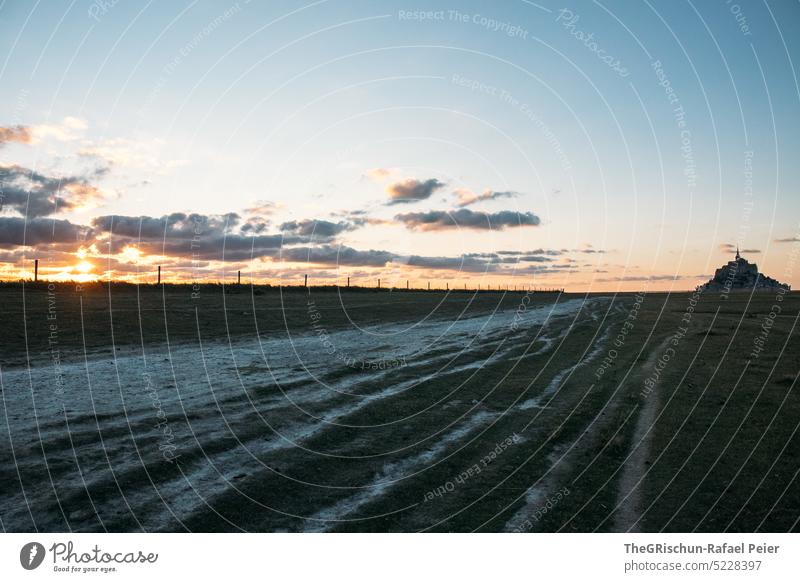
x,y
305,280
348,282
447,286
35,270
159,274
429,285
239,278
407,287
379,283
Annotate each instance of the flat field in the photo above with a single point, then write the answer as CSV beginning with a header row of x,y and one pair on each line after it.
x,y
260,409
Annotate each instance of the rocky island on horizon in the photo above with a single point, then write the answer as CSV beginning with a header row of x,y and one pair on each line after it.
x,y
740,275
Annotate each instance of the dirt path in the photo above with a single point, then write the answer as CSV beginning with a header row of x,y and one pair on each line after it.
x,y
628,510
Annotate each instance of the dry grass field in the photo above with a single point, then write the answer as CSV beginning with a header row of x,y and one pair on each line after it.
x,y
259,409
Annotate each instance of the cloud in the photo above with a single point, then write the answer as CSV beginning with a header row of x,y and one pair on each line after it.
x,y
196,236
787,240
378,174
197,241
262,208
345,256
547,252
227,247
588,249
146,155
730,248
465,218
16,134
337,255
468,197
627,278
255,225
317,229
462,263
16,231
412,190
515,257
69,129
177,225
34,194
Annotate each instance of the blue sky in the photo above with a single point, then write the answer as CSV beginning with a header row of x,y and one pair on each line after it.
x,y
212,108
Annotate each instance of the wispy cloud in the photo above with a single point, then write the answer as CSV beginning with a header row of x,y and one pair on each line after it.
x,y
146,155
731,248
378,174
70,129
15,134
467,197
262,208
628,278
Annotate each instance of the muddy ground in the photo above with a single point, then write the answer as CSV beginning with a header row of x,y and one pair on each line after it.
x,y
129,409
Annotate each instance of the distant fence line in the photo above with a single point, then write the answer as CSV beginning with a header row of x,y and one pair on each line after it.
x,y
364,284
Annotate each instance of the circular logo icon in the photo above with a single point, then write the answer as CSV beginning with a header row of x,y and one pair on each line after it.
x,y
31,555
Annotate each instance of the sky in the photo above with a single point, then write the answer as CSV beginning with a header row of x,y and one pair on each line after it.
x,y
582,145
